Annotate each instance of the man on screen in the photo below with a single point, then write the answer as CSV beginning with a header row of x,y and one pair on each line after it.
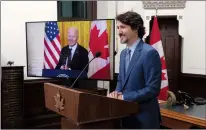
x,y
73,56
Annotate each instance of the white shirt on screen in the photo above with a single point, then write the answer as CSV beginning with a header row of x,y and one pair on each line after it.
x,y
73,49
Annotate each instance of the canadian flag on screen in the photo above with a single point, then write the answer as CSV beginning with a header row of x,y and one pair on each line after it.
x,y
155,41
99,68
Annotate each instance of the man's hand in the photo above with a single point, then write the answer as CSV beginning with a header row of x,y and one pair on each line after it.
x,y
64,67
113,94
120,96
116,95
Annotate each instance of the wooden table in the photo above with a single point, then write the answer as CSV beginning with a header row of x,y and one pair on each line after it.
x,y
177,117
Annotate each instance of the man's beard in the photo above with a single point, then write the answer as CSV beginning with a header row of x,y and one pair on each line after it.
x,y
124,41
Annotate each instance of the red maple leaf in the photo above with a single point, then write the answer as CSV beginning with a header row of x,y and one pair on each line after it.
x,y
98,43
163,76
163,63
163,67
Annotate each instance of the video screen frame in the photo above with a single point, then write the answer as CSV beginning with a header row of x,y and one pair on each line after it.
x,y
113,42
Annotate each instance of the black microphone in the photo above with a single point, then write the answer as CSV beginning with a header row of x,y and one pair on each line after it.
x,y
115,52
98,54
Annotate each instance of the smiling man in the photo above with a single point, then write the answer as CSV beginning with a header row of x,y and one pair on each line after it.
x,y
139,78
73,56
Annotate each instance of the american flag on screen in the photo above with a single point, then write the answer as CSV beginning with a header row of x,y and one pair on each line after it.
x,y
52,45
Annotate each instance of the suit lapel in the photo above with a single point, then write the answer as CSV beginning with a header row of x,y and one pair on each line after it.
x,y
134,60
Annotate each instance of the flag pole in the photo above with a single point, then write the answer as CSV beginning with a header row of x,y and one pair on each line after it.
x,y
156,11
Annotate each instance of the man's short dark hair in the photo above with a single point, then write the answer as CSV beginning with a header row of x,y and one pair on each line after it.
x,y
134,20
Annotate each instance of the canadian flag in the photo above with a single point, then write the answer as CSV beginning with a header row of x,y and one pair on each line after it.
x,y
155,41
99,68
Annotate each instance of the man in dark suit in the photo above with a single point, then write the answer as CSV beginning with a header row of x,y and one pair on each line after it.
x,y
139,78
73,56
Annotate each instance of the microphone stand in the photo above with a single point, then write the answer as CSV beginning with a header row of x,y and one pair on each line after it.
x,y
81,73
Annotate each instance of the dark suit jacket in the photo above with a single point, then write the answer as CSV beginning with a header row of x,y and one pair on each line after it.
x,y
141,84
79,60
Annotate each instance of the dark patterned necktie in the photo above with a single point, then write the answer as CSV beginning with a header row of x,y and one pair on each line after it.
x,y
69,58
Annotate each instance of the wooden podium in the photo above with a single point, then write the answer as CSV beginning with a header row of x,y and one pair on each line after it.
x,y
81,109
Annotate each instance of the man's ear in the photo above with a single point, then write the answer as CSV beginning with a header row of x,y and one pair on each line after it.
x,y
136,30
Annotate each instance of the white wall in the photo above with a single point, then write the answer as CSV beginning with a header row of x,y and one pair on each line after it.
x,y
191,28
14,14
194,46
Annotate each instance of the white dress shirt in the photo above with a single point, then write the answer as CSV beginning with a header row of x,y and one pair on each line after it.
x,y
73,50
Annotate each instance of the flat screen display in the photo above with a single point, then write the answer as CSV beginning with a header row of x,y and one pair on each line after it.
x,y
67,48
